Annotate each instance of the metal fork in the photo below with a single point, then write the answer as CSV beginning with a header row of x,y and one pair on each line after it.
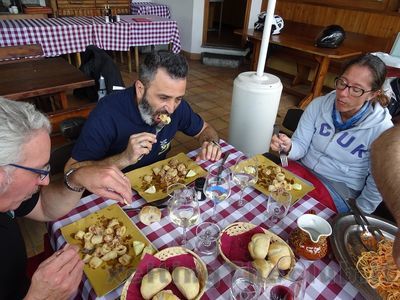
x,y
370,235
282,152
159,127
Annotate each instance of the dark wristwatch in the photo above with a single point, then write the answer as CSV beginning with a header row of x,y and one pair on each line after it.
x,y
68,184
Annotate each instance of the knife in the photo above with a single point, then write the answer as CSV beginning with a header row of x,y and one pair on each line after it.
x,y
282,152
140,207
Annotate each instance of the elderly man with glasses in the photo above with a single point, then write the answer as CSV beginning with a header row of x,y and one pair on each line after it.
x,y
25,191
334,136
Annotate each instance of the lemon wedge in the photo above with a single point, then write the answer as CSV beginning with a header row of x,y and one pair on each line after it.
x,y
148,250
191,173
297,186
151,190
138,247
249,170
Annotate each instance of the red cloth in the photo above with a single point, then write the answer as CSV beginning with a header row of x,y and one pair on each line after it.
x,y
150,262
235,248
320,193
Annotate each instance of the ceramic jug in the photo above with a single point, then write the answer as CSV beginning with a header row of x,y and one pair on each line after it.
x,y
309,239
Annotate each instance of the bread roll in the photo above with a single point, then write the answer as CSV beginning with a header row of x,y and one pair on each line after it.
x,y
186,281
263,266
165,295
154,281
278,250
258,246
149,214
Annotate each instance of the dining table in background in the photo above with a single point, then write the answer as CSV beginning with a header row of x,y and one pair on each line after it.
x,y
325,276
149,8
32,78
301,37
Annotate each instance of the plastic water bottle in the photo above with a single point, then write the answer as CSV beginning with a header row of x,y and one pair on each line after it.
x,y
102,88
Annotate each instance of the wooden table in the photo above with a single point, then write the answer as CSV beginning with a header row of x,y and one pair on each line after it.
x,y
22,80
300,37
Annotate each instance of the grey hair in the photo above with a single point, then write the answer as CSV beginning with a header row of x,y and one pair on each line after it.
x,y
175,65
19,121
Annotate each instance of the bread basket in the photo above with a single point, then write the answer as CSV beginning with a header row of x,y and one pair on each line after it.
x,y
201,269
238,228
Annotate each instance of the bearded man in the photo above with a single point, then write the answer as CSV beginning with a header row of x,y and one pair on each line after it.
x,y
135,127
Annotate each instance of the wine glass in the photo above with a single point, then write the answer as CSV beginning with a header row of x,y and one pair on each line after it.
x,y
244,174
277,206
246,284
217,186
286,284
183,207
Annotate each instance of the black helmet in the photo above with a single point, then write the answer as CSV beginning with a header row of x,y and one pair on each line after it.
x,y
330,37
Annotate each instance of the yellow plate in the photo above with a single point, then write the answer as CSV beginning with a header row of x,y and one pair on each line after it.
x,y
296,195
108,276
136,176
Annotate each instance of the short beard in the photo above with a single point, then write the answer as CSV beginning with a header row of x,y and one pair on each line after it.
x,y
146,111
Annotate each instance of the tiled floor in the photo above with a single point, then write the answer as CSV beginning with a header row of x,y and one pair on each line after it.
x,y
209,91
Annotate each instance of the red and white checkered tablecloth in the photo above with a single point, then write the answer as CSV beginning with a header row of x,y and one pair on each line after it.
x,y
112,36
148,8
13,32
57,36
325,277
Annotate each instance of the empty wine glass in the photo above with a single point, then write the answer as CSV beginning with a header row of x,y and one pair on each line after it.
x,y
244,174
286,284
183,207
217,186
277,206
246,284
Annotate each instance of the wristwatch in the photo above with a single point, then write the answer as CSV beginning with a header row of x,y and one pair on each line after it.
x,y
68,184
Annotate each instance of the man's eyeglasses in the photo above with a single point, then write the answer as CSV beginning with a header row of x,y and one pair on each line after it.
x,y
340,84
43,173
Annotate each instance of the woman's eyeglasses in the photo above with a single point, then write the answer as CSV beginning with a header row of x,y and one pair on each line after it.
x,y
354,91
43,173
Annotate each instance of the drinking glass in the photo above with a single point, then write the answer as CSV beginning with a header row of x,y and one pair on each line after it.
x,y
207,234
286,284
277,206
246,284
183,207
244,174
217,186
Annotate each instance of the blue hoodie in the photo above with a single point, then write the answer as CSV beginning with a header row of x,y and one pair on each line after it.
x,y
343,158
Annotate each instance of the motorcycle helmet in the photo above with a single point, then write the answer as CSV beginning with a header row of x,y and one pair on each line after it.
x,y
277,23
330,37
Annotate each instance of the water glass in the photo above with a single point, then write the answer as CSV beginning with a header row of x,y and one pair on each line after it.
x,y
207,234
286,284
244,174
277,206
246,284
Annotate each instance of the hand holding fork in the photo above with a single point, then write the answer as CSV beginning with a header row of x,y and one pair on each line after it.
x,y
282,150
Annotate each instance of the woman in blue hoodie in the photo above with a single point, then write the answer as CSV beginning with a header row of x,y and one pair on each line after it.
x,y
335,133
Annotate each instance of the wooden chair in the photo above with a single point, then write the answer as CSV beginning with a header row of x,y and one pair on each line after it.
x,y
11,54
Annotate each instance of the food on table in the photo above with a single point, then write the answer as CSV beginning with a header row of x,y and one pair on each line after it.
x,y
148,250
165,295
263,266
278,250
258,246
191,173
273,179
149,214
154,281
151,190
162,176
104,241
166,119
380,271
138,247
186,281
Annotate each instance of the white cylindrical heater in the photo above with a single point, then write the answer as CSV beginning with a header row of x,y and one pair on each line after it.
x,y
255,101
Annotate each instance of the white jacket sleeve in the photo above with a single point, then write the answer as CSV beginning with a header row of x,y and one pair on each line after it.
x,y
304,133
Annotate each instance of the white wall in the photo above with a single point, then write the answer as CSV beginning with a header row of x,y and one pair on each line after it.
x,y
189,15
